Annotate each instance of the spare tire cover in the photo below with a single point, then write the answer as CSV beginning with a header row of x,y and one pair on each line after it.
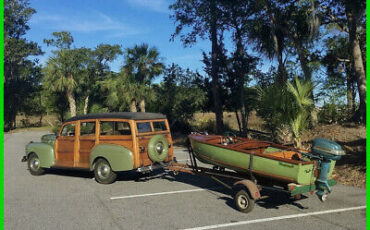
x,y
158,148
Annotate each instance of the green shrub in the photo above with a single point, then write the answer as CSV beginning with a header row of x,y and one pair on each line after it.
x,y
332,113
282,107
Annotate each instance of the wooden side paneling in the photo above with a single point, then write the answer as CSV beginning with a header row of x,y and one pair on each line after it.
x,y
125,141
75,151
65,151
86,145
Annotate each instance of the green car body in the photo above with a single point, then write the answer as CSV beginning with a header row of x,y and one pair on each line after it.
x,y
104,143
45,153
120,158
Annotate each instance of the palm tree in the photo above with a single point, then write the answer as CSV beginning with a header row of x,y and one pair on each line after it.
x,y
66,70
286,109
265,30
304,104
62,72
121,92
143,64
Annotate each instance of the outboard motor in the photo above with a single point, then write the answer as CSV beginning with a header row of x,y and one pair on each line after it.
x,y
327,151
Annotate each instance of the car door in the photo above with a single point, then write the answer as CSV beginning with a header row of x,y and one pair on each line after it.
x,y
65,145
87,141
144,133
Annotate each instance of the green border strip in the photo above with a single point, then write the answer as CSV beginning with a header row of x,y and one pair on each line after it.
x,y
367,115
2,115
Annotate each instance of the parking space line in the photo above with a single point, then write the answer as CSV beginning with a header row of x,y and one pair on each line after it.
x,y
182,160
275,218
158,193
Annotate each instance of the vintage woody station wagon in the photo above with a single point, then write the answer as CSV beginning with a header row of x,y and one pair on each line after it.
x,y
106,144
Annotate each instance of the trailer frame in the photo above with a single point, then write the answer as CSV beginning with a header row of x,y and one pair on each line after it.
x,y
245,187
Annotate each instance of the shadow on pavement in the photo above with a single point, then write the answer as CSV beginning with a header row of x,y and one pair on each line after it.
x,y
273,200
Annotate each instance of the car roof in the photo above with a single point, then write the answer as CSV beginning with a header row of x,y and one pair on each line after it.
x,y
121,115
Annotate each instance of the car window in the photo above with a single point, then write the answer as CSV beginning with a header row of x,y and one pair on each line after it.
x,y
106,128
159,126
114,128
87,128
68,130
122,128
143,127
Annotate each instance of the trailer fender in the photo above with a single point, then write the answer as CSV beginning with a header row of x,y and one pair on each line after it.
x,y
251,187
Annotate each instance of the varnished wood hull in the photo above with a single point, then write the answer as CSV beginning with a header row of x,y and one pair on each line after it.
x,y
277,165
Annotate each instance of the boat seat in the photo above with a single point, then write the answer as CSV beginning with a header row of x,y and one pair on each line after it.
x,y
269,150
285,154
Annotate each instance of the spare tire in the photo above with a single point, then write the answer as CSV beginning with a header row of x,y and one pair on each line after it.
x,y
158,148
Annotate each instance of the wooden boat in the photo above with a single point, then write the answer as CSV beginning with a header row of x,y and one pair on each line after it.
x,y
269,160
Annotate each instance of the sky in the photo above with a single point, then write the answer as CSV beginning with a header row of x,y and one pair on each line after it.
x,y
122,22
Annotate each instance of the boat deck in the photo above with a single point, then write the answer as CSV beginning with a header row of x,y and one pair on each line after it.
x,y
250,146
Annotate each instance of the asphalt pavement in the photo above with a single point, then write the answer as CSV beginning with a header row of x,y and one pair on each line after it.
x,y
66,199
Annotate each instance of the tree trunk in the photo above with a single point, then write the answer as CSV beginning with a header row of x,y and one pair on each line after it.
x,y
353,97
142,105
349,91
72,103
241,69
61,115
282,76
40,120
133,106
238,120
215,82
278,49
356,58
86,104
41,114
303,60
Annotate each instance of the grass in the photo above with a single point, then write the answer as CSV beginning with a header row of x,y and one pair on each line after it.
x,y
254,122
22,129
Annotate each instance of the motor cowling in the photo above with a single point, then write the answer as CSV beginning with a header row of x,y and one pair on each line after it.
x,y
327,151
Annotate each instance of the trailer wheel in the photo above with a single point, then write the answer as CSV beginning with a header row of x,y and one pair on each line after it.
x,y
243,201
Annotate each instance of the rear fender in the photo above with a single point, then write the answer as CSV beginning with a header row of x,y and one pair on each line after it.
x,y
44,152
250,186
119,157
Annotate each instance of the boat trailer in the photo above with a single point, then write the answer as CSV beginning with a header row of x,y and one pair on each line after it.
x,y
245,187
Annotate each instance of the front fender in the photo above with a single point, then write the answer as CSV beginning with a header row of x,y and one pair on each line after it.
x,y
45,153
119,157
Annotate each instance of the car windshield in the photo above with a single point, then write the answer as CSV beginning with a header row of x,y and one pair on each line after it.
x,y
68,130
